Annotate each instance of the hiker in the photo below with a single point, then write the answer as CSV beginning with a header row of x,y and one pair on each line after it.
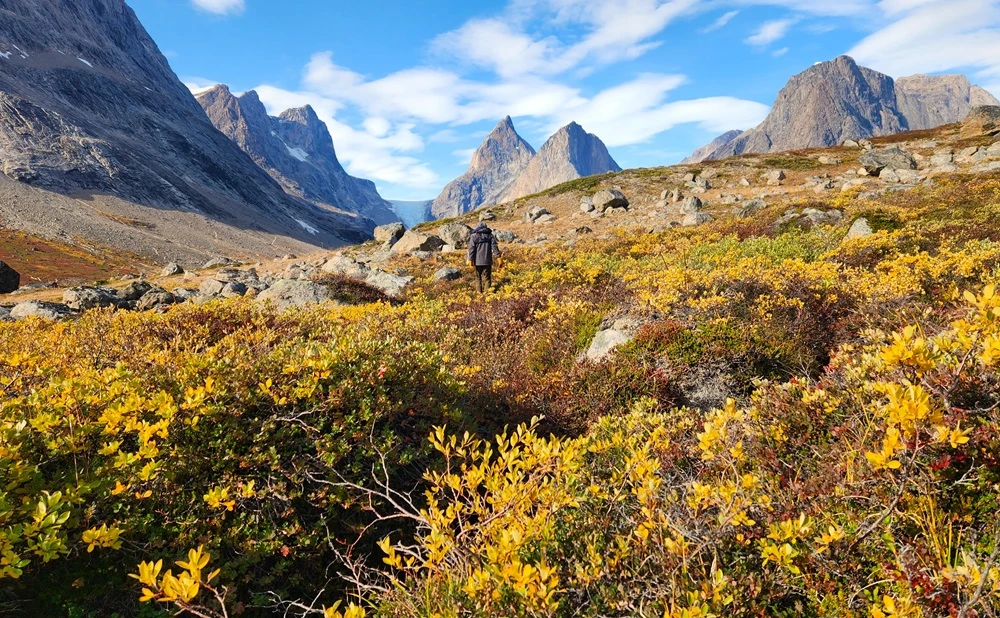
x,y
483,249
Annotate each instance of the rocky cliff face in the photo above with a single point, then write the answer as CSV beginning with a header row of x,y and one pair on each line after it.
x,y
838,100
569,154
90,107
297,151
823,106
928,101
705,151
495,165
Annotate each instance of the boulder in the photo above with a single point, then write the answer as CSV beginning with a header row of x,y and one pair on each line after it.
x,y
84,298
217,262
607,340
286,293
347,266
40,309
533,213
866,144
750,208
894,158
888,175
183,294
983,120
135,290
10,279
850,144
211,287
447,274
587,204
942,158
813,217
455,234
389,233
154,299
775,177
392,285
172,269
583,229
744,182
546,218
702,183
5,314
993,150
825,160
416,241
859,229
696,218
691,205
487,215
609,198
233,289
505,236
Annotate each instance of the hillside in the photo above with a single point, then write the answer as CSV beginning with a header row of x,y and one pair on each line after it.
x,y
99,140
777,399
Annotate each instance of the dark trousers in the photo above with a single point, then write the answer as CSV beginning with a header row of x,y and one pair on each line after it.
x,y
485,271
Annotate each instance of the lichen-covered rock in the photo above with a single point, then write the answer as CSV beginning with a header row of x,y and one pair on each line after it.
x,y
286,293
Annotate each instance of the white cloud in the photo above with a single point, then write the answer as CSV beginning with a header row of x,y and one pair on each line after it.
x,y
779,52
220,7
927,36
721,22
769,32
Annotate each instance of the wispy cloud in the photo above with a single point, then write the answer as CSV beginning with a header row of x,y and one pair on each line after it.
x,y
220,7
721,22
769,32
779,52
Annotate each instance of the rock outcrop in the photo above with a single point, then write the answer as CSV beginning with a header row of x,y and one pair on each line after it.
x,y
10,279
928,101
495,165
569,154
90,108
295,149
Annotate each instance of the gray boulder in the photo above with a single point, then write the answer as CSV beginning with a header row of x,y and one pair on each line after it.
x,y
183,294
586,204
609,198
487,215
347,266
983,120
135,290
455,234
155,299
546,218
5,314
416,241
775,177
392,285
211,287
10,279
749,208
993,150
505,236
233,289
696,218
172,269
859,229
691,205
533,214
605,342
286,293
447,274
40,309
389,233
84,298
217,262
894,158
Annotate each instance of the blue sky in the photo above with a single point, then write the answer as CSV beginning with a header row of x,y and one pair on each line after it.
x,y
409,89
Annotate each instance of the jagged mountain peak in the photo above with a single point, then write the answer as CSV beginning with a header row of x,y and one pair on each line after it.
x,y
570,153
495,164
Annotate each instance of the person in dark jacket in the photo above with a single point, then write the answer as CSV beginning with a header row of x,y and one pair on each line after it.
x,y
483,249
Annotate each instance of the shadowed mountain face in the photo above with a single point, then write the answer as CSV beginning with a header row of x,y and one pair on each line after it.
x,y
705,151
297,151
90,107
838,100
495,165
569,154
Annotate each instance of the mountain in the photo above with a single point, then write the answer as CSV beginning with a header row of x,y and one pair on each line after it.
x,y
928,101
838,100
705,151
101,141
296,150
412,212
569,154
495,165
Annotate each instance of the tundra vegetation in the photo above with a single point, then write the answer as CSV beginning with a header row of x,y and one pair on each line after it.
x,y
452,456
